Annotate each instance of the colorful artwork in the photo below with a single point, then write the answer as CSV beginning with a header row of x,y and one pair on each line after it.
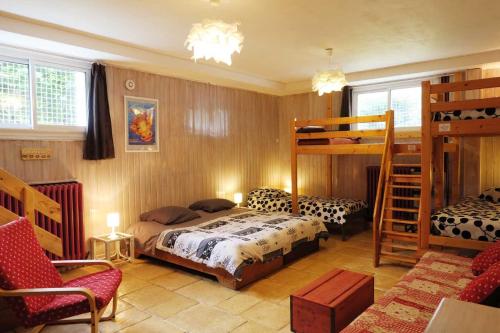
x,y
142,124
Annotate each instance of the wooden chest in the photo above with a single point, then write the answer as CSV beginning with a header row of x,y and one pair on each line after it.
x,y
331,302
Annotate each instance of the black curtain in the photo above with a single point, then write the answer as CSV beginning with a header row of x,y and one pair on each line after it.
x,y
346,106
99,142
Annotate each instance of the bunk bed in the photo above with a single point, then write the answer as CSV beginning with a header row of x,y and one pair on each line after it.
x,y
347,145
453,119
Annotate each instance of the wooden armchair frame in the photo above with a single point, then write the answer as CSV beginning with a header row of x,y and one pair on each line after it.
x,y
95,314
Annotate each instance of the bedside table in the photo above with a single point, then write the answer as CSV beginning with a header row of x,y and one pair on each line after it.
x,y
114,242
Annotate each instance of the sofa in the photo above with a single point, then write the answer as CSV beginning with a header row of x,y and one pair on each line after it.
x,y
409,305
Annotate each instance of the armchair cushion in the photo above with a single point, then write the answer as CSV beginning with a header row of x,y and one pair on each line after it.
x,y
24,265
104,285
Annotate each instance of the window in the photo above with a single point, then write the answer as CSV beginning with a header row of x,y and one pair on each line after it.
x,y
43,96
403,98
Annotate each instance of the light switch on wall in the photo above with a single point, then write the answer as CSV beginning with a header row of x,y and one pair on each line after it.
x,y
28,154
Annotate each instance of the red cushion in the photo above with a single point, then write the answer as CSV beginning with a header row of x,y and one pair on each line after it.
x,y
104,285
485,259
23,264
482,286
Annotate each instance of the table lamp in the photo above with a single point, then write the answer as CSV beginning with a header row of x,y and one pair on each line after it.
x,y
113,221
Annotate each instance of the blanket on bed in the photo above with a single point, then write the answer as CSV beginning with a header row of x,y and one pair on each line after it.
x,y
472,218
328,210
467,114
233,241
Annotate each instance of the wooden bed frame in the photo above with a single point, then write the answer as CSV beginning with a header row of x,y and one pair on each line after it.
x,y
249,274
433,134
342,149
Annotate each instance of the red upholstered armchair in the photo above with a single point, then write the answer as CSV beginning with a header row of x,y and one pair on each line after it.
x,y
35,290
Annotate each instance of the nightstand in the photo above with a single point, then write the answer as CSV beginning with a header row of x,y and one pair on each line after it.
x,y
111,243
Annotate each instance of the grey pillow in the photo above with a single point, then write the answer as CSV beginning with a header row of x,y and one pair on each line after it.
x,y
212,205
169,215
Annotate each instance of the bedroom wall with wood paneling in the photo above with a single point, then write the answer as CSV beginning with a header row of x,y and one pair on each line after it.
x,y
214,141
490,146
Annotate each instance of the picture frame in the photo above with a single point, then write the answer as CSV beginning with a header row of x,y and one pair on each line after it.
x,y
141,124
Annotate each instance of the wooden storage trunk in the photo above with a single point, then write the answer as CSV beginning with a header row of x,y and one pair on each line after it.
x,y
331,302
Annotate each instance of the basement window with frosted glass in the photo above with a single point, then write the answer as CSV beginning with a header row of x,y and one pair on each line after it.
x,y
42,100
402,97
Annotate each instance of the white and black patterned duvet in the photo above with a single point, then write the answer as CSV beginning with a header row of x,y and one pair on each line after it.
x,y
233,241
467,114
328,210
472,218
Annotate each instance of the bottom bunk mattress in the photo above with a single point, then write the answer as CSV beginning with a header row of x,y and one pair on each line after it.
x,y
472,218
328,210
234,241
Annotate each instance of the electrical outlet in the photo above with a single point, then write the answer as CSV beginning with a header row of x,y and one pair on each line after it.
x,y
28,154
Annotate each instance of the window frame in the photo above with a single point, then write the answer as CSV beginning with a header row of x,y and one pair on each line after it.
x,y
35,131
386,87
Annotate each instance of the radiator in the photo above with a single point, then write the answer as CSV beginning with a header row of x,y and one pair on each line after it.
x,y
373,173
71,229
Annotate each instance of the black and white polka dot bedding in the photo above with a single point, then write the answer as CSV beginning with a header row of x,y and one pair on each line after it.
x,y
467,114
472,218
329,210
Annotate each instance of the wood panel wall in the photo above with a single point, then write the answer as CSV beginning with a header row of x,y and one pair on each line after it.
x,y
214,141
490,146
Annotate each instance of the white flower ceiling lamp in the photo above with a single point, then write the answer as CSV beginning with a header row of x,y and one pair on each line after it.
x,y
325,82
214,39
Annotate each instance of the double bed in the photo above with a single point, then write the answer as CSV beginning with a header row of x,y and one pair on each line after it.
x,y
472,218
237,245
331,211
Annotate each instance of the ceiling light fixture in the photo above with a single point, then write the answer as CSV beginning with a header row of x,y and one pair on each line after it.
x,y
325,82
214,39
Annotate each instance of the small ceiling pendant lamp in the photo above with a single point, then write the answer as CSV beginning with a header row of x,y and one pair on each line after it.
x,y
214,39
325,82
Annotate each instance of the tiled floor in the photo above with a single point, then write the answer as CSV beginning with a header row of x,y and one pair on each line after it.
x,y
157,297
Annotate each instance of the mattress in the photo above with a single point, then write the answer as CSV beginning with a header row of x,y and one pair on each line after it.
x,y
328,210
235,241
467,114
472,218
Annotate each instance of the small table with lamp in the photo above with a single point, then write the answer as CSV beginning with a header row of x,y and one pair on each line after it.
x,y
113,240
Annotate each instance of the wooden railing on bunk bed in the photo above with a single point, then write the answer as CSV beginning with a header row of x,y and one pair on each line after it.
x,y
33,201
383,149
433,134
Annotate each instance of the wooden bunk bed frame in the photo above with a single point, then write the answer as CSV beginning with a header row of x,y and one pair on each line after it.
x,y
433,134
342,149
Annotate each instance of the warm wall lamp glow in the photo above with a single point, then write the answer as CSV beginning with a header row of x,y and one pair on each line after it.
x,y
238,198
113,221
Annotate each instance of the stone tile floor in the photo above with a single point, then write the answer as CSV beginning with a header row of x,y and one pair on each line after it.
x,y
158,297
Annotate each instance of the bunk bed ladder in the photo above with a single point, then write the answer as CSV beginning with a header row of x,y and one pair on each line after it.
x,y
398,235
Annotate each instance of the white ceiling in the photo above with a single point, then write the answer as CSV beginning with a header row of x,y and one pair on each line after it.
x,y
285,39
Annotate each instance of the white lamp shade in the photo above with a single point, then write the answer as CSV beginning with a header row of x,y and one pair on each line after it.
x,y
238,197
113,220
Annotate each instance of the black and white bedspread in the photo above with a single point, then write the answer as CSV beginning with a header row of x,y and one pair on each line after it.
x,y
472,218
467,114
233,241
328,210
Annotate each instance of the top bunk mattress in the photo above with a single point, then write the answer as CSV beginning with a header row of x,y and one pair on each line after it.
x,y
328,210
486,113
471,218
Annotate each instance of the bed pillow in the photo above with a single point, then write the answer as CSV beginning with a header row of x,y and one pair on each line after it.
x,y
212,205
485,259
169,215
311,129
483,286
268,193
491,195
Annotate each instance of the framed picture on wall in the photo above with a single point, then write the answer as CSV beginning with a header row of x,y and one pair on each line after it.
x,y
141,124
